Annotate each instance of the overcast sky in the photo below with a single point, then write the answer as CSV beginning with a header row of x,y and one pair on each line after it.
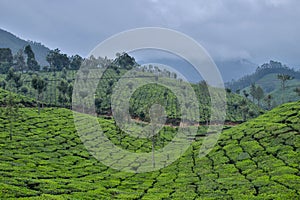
x,y
258,30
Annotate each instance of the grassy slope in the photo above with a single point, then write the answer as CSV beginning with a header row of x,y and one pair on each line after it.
x,y
46,160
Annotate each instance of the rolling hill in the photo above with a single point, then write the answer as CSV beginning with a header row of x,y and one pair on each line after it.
x,y
8,40
46,159
266,77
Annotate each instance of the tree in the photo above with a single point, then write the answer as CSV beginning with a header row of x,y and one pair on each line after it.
x,y
124,61
32,64
3,84
40,86
83,94
75,62
24,90
228,90
18,81
15,77
253,91
10,74
6,55
6,60
70,93
11,110
57,60
63,89
245,93
244,107
268,100
259,94
297,90
64,73
283,79
20,61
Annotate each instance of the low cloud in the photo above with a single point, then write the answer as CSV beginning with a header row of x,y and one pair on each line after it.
x,y
255,29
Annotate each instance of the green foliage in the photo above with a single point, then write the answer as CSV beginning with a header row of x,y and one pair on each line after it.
x,y
32,64
6,60
57,60
40,86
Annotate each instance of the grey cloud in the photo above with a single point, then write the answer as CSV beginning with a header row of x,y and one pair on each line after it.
x,y
255,29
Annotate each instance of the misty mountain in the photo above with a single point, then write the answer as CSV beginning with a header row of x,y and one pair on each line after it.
x,y
235,68
8,40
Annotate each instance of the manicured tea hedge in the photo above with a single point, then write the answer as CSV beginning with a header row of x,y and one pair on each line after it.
x,y
46,159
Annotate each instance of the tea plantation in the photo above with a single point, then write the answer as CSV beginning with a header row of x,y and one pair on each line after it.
x,y
259,159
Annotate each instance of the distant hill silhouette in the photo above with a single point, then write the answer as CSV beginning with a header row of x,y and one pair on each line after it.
x,y
229,69
272,67
13,42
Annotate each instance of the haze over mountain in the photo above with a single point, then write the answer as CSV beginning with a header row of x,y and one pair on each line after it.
x,y
229,69
233,68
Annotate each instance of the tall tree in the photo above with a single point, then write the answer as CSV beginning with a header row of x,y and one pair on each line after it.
x,y
268,100
253,91
259,94
245,109
40,86
18,81
32,64
297,90
69,94
6,60
283,79
83,94
63,89
11,110
57,60
75,62
19,60
15,78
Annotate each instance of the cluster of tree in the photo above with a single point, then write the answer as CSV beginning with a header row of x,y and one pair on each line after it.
x,y
257,93
159,72
58,61
8,60
24,61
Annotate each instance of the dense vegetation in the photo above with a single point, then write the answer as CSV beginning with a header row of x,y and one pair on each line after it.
x,y
46,160
55,86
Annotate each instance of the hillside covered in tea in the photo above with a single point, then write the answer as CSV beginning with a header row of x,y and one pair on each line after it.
x,y
46,159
